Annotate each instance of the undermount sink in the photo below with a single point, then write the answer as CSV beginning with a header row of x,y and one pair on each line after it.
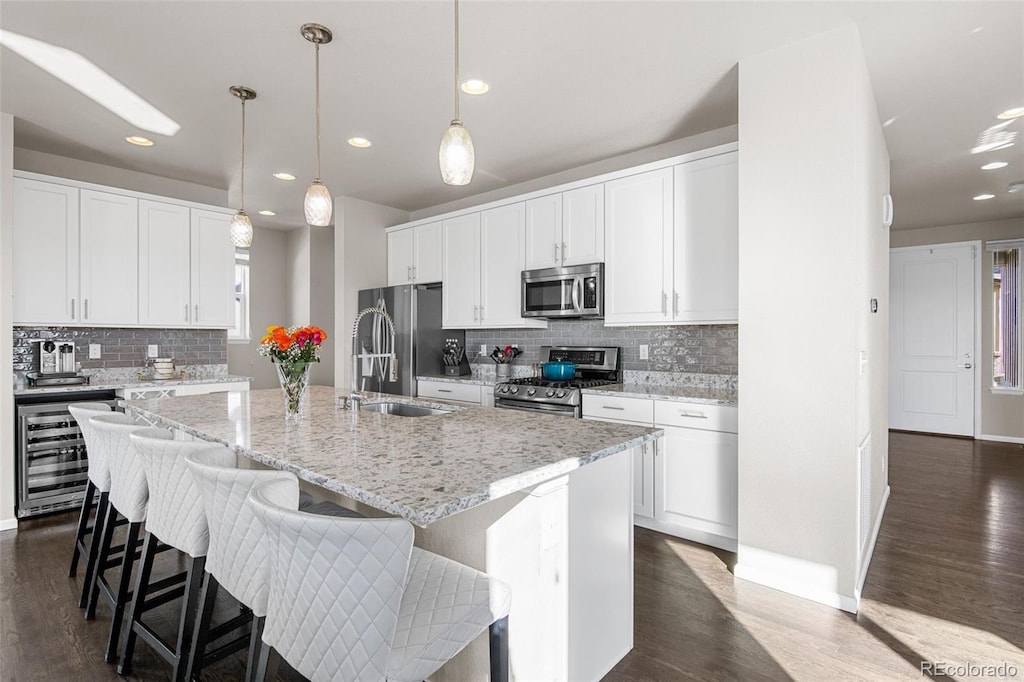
x,y
403,409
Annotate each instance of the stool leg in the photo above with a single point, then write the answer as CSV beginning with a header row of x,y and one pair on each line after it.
x,y
207,599
189,607
83,523
121,598
102,554
138,600
256,648
499,650
266,664
94,548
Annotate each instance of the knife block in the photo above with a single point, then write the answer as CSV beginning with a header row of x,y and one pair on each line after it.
x,y
460,370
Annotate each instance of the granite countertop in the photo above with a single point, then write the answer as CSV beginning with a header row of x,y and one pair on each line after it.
x,y
471,380
131,384
422,469
681,394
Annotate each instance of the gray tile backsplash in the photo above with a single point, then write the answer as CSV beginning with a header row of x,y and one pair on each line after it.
x,y
704,349
125,347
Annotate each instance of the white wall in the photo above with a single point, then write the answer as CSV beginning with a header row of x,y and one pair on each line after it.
x,y
810,168
7,483
268,304
1002,415
321,299
297,269
360,262
87,171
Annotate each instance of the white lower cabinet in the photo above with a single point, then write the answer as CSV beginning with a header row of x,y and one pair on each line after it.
x,y
458,392
684,484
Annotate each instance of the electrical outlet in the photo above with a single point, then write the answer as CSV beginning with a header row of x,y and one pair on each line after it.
x,y
644,354
483,349
152,350
94,351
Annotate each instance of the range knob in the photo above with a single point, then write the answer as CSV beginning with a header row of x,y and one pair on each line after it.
x,y
503,389
561,394
531,391
513,390
550,393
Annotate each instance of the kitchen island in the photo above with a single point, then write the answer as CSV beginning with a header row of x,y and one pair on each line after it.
x,y
541,502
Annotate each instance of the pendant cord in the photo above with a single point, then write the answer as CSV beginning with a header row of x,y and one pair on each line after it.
x,y
317,110
456,60
242,200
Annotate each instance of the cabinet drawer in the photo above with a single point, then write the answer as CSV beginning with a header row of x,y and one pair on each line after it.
x,y
696,416
446,390
622,409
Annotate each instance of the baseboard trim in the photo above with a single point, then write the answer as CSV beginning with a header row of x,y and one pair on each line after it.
x,y
693,535
1002,439
866,559
797,577
9,524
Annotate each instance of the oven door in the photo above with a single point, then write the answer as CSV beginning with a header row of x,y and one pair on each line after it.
x,y
549,296
537,408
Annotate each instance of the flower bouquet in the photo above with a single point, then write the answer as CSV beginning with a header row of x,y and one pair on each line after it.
x,y
293,351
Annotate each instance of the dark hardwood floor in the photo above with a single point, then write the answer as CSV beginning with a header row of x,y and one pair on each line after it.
x,y
946,584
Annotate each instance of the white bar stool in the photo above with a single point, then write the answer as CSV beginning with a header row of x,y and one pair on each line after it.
x,y
98,482
352,599
176,518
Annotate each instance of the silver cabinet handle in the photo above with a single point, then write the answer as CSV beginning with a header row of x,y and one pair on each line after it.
x,y
664,303
86,316
613,407
443,390
196,319
476,313
408,273
414,273
556,252
72,309
967,365
186,312
693,415
675,306
564,250
481,313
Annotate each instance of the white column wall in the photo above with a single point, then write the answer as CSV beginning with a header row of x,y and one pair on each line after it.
x,y
7,484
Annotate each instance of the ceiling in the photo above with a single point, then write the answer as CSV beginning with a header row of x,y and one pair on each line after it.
x,y
572,82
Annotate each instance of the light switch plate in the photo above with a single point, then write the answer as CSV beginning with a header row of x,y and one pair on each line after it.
x,y
94,351
152,350
644,354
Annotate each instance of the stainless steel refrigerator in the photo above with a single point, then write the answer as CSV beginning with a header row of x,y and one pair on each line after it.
x,y
419,339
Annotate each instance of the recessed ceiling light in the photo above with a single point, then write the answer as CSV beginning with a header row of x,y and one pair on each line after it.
x,y
1015,187
360,142
994,165
475,86
1016,112
284,176
264,212
984,197
889,122
139,141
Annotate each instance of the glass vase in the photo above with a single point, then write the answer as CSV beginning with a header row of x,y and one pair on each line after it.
x,y
294,377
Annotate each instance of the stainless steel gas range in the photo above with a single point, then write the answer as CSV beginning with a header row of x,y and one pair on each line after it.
x,y
595,366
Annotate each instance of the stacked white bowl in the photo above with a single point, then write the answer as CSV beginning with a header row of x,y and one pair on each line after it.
x,y
163,368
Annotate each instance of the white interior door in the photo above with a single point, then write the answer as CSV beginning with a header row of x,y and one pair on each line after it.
x,y
932,358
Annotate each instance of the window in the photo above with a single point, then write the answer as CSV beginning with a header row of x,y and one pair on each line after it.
x,y
240,332
1007,349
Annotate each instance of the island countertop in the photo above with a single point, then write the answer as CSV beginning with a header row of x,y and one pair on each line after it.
x,y
422,469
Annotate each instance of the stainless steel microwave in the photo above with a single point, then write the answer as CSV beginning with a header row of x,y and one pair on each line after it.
x,y
576,291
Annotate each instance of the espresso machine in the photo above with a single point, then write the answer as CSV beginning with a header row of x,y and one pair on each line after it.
x,y
57,365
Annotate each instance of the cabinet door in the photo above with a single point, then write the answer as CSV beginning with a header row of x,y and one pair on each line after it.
x,y
583,225
460,302
638,248
45,244
163,264
428,256
109,258
401,249
503,256
544,232
213,270
643,480
696,473
706,240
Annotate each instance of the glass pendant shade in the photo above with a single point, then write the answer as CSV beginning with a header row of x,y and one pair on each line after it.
x,y
318,204
456,155
240,230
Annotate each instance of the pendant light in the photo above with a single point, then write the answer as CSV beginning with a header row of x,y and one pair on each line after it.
x,y
240,229
318,205
456,155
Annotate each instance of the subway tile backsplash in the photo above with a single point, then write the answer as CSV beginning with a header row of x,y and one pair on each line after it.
x,y
125,347
704,349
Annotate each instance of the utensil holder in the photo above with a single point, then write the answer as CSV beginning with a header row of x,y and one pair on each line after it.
x,y
503,371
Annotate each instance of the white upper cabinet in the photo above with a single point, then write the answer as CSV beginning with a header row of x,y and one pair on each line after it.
x,y
672,244
566,228
706,240
109,258
638,244
484,255
45,246
164,256
213,270
415,255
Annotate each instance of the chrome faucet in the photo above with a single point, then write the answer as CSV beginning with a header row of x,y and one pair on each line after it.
x,y
355,395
